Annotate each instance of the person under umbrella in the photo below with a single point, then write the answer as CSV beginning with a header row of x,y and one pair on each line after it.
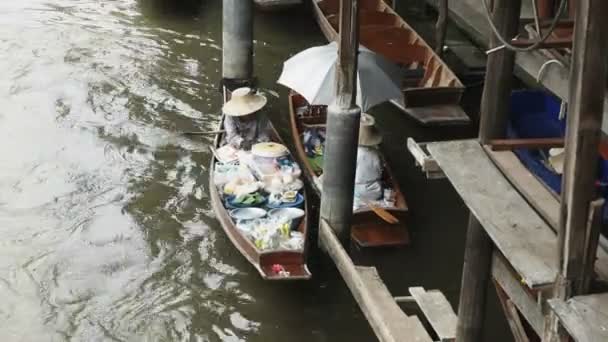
x,y
245,124
368,178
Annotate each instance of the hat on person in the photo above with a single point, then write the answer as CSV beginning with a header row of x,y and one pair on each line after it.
x,y
368,133
244,101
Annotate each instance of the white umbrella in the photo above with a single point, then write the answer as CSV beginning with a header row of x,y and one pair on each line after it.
x,y
312,73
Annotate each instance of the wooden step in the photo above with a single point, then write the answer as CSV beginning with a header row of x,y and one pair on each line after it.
x,y
380,235
437,311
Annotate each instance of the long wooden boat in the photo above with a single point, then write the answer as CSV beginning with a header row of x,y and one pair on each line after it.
x,y
368,229
275,5
292,261
431,90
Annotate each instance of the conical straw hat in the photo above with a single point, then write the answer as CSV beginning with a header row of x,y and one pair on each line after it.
x,y
244,101
368,133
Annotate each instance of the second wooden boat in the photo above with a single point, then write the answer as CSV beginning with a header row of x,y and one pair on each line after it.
x,y
369,229
276,264
431,90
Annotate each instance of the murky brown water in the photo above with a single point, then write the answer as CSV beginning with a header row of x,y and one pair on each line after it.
x,y
106,231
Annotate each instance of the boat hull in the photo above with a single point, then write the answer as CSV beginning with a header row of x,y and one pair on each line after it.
x,y
383,31
294,262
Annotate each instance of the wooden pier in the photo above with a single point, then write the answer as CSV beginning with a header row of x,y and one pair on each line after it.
x,y
543,252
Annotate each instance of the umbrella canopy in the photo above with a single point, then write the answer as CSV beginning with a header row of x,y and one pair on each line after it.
x,y
312,73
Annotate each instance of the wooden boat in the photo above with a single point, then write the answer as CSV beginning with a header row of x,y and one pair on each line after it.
x,y
275,5
431,90
292,261
368,230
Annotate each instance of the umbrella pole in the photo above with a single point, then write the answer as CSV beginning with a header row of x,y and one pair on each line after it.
x,y
237,40
343,118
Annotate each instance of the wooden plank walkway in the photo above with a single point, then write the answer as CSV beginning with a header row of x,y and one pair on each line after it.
x,y
584,317
540,197
517,230
385,316
437,311
468,15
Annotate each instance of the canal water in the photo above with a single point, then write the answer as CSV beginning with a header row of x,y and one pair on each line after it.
x,y
106,230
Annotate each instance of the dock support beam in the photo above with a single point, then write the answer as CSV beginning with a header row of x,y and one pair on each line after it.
x,y
493,125
441,27
237,41
340,161
578,233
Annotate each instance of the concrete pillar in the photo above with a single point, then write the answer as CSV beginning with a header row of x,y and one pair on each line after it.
x,y
237,40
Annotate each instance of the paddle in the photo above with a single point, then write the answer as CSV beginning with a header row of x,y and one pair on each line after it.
x,y
383,213
204,132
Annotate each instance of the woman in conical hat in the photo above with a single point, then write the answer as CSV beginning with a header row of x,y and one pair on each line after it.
x,y
368,178
244,122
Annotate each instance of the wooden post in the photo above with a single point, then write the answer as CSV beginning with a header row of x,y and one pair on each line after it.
x,y
441,28
494,115
578,229
343,117
237,40
499,74
586,105
545,9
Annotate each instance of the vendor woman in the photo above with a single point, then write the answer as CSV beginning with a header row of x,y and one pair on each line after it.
x,y
368,178
245,124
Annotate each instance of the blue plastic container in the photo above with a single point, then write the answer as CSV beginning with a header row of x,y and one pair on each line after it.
x,y
535,114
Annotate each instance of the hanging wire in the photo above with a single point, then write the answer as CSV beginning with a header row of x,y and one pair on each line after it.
x,y
563,106
536,44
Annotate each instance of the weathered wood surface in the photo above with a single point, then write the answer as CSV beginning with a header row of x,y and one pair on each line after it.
x,y
387,320
538,195
585,317
541,198
468,14
437,311
523,300
516,229
512,315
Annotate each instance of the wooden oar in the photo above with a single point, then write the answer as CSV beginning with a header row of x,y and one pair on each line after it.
x,y
205,132
383,213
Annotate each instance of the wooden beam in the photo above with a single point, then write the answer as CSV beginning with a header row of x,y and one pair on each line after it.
x,y
525,302
586,105
511,144
551,43
512,315
377,304
346,88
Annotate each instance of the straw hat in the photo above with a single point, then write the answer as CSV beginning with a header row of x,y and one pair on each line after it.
x,y
368,133
244,101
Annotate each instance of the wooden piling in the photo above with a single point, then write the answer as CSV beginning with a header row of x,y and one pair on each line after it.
x,y
578,231
499,75
493,123
586,105
441,28
340,160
